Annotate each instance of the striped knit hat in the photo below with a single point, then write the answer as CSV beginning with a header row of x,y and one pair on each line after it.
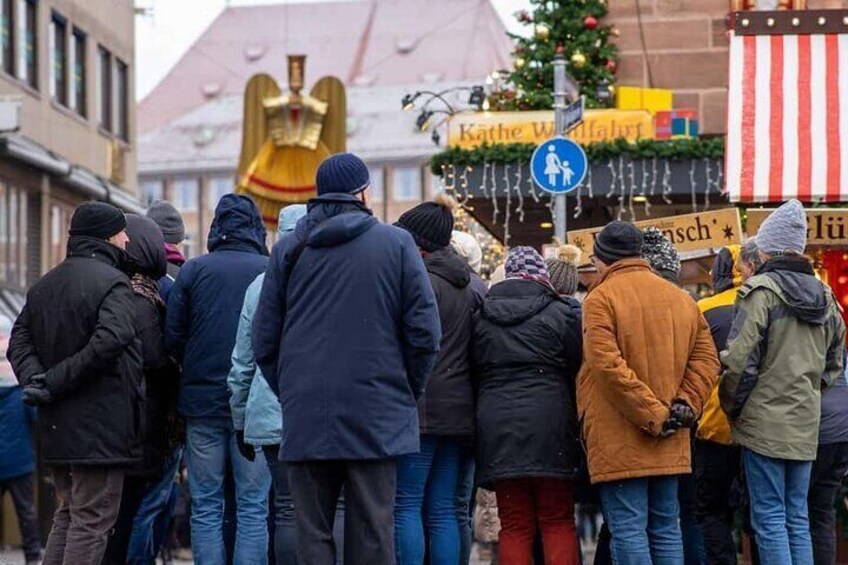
x,y
563,269
526,263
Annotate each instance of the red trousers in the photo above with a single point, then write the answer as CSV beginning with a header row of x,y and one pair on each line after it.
x,y
524,504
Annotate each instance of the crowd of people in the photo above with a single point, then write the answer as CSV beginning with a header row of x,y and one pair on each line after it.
x,y
363,390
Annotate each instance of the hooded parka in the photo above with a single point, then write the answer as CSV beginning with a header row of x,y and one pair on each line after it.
x,y
526,354
787,338
205,303
346,333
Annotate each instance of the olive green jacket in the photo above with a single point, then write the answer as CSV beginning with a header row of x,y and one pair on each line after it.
x,y
786,341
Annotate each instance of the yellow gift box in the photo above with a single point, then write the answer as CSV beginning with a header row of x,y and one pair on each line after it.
x,y
651,99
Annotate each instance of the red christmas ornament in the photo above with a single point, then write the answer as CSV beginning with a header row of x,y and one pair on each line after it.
x,y
612,66
589,22
559,49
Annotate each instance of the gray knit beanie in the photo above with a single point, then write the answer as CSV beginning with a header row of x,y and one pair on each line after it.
x,y
658,251
169,221
785,230
563,269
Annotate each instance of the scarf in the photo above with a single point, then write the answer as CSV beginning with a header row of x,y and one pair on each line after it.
x,y
149,289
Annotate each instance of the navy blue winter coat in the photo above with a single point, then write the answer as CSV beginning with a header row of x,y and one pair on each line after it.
x,y
205,303
351,336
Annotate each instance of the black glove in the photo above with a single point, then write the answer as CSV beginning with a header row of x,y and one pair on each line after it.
x,y
670,427
681,412
247,451
36,393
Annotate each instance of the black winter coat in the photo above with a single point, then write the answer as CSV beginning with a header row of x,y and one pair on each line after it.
x,y
527,350
447,406
78,328
161,374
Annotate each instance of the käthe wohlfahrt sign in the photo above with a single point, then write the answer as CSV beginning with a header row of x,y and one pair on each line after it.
x,y
470,129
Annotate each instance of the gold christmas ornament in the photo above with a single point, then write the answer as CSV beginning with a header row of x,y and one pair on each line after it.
x,y
578,59
520,62
543,32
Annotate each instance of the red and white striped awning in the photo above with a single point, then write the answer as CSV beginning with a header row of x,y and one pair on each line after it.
x,y
787,115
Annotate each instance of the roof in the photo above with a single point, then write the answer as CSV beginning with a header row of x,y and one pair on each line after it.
x,y
363,42
208,138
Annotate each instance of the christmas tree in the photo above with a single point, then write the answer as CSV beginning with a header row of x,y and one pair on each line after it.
x,y
570,27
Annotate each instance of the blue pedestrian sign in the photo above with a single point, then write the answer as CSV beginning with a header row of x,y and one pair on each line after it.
x,y
558,165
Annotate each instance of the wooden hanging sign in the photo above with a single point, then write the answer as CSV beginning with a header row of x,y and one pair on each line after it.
x,y
690,232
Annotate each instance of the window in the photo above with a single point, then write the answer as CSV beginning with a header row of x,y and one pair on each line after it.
x,y
376,190
104,87
60,223
122,93
152,190
218,187
7,35
59,59
28,42
13,236
407,184
185,195
78,73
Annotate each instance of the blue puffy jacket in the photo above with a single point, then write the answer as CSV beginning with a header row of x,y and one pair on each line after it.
x,y
16,419
361,335
205,303
255,407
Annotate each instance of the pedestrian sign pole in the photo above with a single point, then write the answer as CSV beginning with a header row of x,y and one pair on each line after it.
x,y
561,163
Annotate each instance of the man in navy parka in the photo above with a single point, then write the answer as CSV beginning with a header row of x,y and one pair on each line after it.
x,y
346,332
201,323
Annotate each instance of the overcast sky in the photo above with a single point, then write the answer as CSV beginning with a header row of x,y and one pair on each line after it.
x,y
171,26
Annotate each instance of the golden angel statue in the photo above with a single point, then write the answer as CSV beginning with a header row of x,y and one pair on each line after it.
x,y
286,136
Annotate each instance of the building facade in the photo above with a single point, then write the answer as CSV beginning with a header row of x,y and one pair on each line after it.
x,y
190,123
67,129
66,91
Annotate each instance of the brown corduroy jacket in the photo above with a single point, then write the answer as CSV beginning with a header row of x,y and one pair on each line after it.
x,y
645,344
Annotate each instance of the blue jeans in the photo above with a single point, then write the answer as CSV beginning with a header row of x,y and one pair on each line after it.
x,y
211,447
426,489
778,491
154,515
643,518
464,504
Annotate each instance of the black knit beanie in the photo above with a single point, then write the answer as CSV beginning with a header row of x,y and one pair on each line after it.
x,y
97,219
618,240
430,223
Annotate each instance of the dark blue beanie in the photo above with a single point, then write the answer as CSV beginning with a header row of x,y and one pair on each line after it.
x,y
344,173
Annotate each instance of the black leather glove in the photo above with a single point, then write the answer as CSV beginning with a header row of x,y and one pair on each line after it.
x,y
35,392
247,451
681,412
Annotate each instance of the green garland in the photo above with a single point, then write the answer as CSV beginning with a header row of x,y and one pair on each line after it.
x,y
672,150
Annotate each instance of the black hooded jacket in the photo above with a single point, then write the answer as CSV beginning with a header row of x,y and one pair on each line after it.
x,y
447,405
78,328
146,249
527,350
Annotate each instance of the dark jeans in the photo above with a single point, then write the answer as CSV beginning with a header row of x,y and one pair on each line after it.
x,y
694,552
21,490
828,470
119,538
369,488
91,497
717,467
285,517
